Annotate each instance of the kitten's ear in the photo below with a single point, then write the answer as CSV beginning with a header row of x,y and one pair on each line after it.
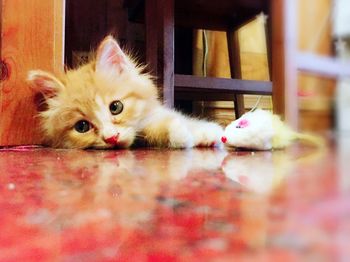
x,y
110,57
44,83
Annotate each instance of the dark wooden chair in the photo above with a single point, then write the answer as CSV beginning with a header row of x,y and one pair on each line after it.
x,y
161,17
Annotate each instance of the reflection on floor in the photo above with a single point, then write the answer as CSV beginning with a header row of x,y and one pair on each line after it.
x,y
180,205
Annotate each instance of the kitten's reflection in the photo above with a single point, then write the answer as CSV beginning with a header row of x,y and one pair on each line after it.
x,y
95,185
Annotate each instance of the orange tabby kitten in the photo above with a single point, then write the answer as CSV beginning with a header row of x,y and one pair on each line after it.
x,y
108,102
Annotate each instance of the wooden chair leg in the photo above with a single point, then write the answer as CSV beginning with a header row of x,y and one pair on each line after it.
x,y
166,48
152,29
235,66
238,101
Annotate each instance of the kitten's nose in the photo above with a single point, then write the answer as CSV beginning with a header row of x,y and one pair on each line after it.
x,y
224,139
113,140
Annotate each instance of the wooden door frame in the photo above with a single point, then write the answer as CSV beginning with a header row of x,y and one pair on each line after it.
x,y
32,38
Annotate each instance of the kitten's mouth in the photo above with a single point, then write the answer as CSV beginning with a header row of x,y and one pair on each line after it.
x,y
112,143
113,140
120,145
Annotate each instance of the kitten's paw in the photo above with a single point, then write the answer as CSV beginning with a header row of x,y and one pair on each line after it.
x,y
179,135
208,134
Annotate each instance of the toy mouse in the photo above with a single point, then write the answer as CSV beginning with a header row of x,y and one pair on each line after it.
x,y
262,130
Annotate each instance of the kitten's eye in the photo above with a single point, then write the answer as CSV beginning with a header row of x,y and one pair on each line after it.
x,y
116,107
82,126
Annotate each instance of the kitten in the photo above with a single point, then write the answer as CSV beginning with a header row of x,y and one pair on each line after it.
x,y
108,102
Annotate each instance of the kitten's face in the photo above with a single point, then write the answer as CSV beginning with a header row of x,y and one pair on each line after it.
x,y
99,105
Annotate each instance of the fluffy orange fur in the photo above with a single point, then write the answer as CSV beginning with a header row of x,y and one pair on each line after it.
x,y
87,92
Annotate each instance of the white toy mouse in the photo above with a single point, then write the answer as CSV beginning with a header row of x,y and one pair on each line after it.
x,y
262,130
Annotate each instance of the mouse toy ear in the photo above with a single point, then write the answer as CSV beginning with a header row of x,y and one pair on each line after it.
x,y
45,83
110,57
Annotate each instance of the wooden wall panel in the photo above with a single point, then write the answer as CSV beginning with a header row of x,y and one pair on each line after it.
x,y
315,92
32,37
314,26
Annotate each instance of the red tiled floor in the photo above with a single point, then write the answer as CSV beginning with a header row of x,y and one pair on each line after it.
x,y
163,205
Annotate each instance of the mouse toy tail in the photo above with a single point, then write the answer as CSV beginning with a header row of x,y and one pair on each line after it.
x,y
310,139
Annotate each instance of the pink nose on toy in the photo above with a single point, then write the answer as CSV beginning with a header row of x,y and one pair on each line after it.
x,y
113,140
224,139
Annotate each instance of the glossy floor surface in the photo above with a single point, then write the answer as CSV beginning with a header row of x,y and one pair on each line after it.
x,y
163,205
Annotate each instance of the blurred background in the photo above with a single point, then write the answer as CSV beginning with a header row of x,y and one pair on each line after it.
x,y
322,28
301,47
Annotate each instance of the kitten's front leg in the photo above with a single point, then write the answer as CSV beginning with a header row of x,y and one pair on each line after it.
x,y
165,127
179,135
